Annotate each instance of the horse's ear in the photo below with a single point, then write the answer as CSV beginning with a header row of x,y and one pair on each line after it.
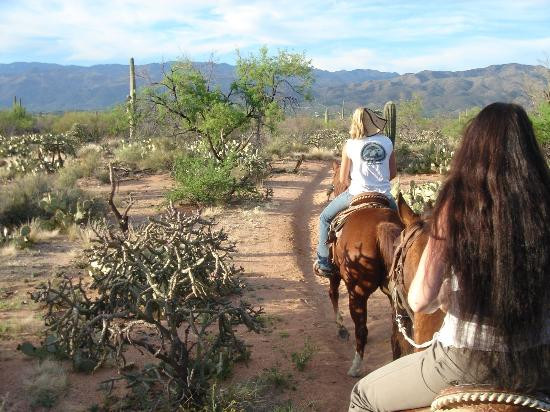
x,y
335,165
406,214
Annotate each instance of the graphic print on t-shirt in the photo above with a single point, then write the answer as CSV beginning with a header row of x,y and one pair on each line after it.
x,y
373,152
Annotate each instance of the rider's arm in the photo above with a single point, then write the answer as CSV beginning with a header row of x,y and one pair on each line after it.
x,y
426,293
345,167
426,284
393,166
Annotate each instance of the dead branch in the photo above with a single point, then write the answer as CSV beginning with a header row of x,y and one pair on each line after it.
x,y
122,219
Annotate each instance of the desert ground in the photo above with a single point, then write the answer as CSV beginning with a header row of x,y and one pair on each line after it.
x,y
275,242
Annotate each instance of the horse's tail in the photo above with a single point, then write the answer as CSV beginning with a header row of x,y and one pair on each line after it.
x,y
386,235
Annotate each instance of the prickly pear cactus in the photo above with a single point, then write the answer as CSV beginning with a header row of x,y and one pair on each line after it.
x,y
391,117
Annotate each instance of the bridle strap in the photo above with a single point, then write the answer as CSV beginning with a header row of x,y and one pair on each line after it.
x,y
396,283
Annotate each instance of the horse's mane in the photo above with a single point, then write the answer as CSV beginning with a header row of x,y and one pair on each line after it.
x,y
387,234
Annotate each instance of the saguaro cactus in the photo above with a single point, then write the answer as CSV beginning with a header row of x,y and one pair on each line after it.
x,y
326,116
390,115
342,112
132,99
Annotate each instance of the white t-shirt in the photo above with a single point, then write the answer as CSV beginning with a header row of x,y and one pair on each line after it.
x,y
488,339
370,164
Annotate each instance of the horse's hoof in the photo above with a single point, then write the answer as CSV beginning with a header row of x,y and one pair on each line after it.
x,y
343,334
355,373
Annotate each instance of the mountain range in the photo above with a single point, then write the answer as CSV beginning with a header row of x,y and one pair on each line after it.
x,y
44,87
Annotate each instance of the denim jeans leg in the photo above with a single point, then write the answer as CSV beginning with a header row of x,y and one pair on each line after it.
x,y
338,204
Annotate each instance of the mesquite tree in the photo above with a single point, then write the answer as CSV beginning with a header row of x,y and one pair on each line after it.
x,y
263,87
168,289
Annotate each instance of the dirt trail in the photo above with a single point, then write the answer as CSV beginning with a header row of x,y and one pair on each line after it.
x,y
278,261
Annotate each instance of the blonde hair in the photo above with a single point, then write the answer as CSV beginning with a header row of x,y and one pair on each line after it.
x,y
360,122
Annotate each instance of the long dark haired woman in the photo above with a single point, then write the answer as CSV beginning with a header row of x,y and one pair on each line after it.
x,y
488,256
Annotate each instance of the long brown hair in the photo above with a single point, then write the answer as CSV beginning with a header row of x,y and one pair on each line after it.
x,y
496,225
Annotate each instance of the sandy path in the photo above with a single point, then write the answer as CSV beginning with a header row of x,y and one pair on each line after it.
x,y
277,257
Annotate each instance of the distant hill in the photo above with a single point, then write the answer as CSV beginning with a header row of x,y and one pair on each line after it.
x,y
51,87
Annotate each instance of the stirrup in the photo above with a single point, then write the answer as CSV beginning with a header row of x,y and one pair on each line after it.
x,y
324,273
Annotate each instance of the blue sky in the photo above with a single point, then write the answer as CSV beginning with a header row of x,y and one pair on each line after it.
x,y
402,36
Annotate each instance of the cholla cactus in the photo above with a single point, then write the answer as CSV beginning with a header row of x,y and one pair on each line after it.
x,y
33,153
168,288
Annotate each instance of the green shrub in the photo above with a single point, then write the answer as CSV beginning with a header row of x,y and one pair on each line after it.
x,y
302,358
429,152
285,145
327,139
203,180
15,121
541,123
50,197
92,126
151,154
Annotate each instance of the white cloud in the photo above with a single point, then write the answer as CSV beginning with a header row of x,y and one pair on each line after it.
x,y
398,36
473,53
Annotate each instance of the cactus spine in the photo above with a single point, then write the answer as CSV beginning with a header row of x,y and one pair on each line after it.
x,y
132,99
390,116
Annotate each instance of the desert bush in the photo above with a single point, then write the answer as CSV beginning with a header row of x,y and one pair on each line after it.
x,y
418,196
454,128
149,154
15,121
25,235
46,384
202,178
429,152
285,145
327,139
167,288
44,196
92,126
303,357
541,123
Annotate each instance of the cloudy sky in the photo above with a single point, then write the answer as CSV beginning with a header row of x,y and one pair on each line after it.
x,y
399,35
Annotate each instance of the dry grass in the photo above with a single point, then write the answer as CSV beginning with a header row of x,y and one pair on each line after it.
x,y
39,234
8,251
46,384
82,234
212,211
320,154
29,325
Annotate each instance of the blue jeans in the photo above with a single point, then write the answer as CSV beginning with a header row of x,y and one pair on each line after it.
x,y
339,203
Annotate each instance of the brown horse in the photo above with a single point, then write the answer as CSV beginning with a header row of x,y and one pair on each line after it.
x,y
357,255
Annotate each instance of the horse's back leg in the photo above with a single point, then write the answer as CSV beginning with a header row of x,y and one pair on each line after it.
x,y
358,310
334,295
